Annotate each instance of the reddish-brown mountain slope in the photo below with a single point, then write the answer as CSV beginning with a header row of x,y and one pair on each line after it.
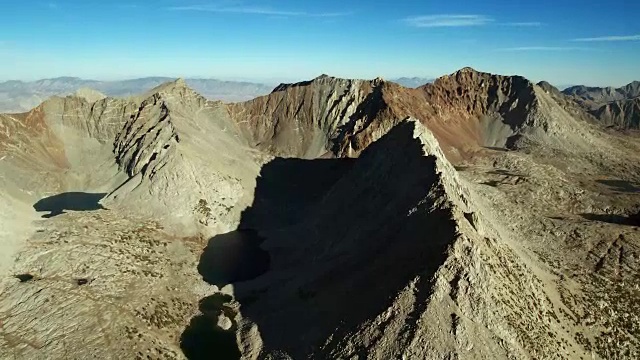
x,y
466,111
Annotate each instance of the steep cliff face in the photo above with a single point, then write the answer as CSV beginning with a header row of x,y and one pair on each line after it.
x,y
146,139
465,111
470,110
550,89
632,89
488,109
303,119
476,93
338,116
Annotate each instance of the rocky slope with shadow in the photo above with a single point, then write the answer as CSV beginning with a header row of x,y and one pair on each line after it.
x,y
394,260
480,216
623,114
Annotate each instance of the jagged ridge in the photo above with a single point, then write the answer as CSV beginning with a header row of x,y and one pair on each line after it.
x,y
147,138
466,111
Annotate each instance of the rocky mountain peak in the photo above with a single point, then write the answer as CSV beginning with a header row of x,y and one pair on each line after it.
x,y
89,94
323,81
465,73
472,92
550,89
546,85
176,87
632,89
467,69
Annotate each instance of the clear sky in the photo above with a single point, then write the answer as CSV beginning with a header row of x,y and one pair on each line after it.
x,y
561,41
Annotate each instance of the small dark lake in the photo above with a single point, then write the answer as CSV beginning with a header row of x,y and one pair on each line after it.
x,y
202,339
233,257
75,201
228,258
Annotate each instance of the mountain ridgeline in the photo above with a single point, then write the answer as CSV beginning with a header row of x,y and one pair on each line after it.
x,y
144,145
612,107
331,218
19,96
598,95
466,111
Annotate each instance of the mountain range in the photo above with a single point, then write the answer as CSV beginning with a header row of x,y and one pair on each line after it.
x,y
476,216
613,107
412,82
19,96
597,96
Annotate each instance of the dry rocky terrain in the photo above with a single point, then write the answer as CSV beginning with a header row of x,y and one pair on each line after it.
x,y
477,217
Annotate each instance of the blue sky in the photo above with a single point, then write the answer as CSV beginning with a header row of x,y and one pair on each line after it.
x,y
562,41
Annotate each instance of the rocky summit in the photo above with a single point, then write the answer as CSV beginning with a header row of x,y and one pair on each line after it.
x,y
479,216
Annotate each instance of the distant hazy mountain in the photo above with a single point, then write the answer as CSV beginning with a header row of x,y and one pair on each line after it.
x,y
594,97
19,96
412,82
616,107
564,86
620,113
